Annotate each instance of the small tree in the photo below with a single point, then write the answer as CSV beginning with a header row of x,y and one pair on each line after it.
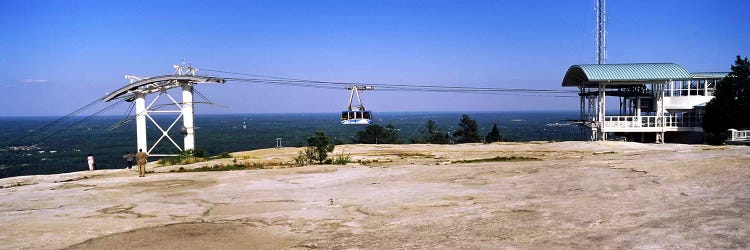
x,y
440,138
320,144
494,135
391,134
303,157
431,134
374,134
730,107
467,130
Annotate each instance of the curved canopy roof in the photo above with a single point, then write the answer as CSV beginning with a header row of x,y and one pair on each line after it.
x,y
590,75
157,83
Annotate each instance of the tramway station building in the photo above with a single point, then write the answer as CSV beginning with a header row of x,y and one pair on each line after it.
x,y
653,102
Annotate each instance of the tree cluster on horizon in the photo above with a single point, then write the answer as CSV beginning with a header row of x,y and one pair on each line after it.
x,y
467,132
730,107
376,134
431,134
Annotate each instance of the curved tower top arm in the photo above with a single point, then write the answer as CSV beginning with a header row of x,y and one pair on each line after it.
x,y
156,84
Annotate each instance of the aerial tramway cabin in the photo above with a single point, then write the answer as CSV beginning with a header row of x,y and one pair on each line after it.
x,y
655,102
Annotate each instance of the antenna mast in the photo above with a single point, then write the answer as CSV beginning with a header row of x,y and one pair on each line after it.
x,y
601,32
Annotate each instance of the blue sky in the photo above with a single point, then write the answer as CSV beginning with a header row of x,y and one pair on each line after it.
x,y
56,56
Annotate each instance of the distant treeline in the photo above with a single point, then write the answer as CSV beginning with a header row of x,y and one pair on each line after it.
x,y
66,151
467,132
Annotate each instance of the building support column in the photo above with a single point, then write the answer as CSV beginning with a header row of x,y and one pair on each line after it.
x,y
662,112
638,110
140,121
601,112
187,116
582,113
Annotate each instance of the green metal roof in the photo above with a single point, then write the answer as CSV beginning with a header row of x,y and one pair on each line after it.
x,y
709,74
592,74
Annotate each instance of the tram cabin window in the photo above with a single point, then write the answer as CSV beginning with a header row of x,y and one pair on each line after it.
x,y
348,115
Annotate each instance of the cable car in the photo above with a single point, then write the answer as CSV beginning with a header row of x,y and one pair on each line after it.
x,y
360,116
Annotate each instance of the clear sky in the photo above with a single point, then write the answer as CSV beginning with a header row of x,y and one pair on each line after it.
x,y
56,56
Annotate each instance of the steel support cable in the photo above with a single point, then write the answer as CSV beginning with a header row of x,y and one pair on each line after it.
x,y
105,109
58,120
290,84
395,86
480,93
392,85
206,100
203,97
464,90
244,74
130,110
439,90
474,88
125,119
296,84
468,91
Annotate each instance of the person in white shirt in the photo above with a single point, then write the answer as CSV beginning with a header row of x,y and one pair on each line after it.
x,y
90,159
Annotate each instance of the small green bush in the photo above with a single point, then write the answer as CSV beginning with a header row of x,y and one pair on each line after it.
x,y
222,156
221,167
303,157
342,159
184,157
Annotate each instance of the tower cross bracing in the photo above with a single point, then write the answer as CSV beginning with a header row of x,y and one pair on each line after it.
x,y
140,88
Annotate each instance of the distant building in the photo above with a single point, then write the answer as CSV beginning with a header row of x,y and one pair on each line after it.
x,y
656,102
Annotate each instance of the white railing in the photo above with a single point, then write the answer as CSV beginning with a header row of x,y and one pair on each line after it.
x,y
632,122
739,135
623,121
669,121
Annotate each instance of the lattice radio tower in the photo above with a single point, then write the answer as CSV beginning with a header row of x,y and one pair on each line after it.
x,y
601,32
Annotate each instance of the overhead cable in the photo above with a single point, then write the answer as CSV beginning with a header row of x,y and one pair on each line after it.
x,y
265,79
105,109
58,120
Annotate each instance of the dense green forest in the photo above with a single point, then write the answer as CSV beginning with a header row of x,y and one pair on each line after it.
x,y
62,151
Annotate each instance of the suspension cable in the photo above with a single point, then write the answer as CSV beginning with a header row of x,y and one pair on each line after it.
x,y
413,88
58,120
105,109
332,84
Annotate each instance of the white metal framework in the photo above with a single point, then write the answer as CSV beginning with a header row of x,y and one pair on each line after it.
x,y
185,77
360,116
355,91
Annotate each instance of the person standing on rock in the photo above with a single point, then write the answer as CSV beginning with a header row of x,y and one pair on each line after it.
x,y
125,160
129,157
91,162
141,158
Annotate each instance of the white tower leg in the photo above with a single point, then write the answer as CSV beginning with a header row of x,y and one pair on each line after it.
x,y
187,115
601,136
140,121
